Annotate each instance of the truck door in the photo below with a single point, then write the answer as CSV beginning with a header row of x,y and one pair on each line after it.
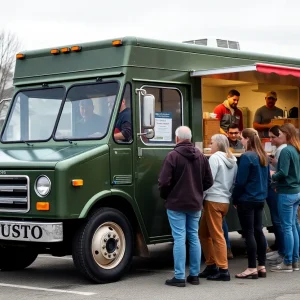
x,y
169,106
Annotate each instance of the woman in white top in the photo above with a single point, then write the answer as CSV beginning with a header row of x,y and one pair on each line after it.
x,y
216,204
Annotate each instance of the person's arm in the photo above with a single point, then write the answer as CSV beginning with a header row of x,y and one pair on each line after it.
x,y
257,122
282,166
165,177
241,124
241,178
207,177
219,112
125,133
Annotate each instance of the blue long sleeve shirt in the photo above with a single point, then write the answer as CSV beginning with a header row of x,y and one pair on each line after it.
x,y
252,180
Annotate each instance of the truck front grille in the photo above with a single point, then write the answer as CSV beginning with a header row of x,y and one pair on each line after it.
x,y
14,193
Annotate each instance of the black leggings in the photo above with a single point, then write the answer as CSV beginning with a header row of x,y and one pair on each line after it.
x,y
250,215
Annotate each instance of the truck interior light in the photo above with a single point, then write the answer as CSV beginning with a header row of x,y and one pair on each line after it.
x,y
42,206
65,50
117,43
20,56
76,48
77,182
54,51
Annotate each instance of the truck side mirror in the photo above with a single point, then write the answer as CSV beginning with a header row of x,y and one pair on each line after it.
x,y
148,113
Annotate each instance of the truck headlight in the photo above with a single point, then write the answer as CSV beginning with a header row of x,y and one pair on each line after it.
x,y
42,186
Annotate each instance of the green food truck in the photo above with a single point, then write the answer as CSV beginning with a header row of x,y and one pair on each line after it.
x,y
71,183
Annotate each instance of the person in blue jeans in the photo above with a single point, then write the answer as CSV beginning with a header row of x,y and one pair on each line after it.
x,y
272,199
184,176
287,180
226,236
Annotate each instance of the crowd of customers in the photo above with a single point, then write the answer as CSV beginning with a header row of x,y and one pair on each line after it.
x,y
193,185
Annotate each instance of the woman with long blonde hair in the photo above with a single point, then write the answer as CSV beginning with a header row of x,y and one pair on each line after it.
x,y
249,195
287,181
216,203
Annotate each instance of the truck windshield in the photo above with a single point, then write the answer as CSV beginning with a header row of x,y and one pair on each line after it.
x,y
33,115
87,111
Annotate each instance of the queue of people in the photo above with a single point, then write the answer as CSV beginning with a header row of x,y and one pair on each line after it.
x,y
191,185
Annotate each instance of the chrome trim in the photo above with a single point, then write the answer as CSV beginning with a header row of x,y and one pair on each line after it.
x,y
35,189
140,113
28,194
222,70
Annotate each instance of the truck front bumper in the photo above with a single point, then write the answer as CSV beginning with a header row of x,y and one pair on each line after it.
x,y
31,231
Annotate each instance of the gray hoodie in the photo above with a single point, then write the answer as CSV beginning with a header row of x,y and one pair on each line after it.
x,y
223,171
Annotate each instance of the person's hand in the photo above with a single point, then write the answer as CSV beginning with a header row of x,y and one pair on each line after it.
x,y
272,172
273,161
235,206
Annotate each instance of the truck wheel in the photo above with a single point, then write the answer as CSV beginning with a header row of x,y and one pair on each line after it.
x,y
103,247
16,258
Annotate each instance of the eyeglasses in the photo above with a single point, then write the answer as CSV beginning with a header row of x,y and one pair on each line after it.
x,y
233,133
271,98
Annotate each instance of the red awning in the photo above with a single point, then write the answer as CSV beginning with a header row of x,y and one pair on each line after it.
x,y
279,70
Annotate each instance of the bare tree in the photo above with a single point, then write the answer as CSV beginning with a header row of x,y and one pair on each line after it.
x,y
9,45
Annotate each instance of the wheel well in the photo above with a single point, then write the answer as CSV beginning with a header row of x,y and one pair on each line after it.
x,y
124,206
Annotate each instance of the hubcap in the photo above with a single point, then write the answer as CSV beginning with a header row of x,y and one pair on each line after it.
x,y
108,245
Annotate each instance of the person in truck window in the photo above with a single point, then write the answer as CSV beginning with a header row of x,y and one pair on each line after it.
x,y
228,113
91,124
233,137
123,128
263,115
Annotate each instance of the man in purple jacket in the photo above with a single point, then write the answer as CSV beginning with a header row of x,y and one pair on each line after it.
x,y
184,176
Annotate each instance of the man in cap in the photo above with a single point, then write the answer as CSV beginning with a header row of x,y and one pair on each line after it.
x,y
263,115
91,124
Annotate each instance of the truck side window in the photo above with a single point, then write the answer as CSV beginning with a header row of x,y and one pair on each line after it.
x,y
123,125
168,114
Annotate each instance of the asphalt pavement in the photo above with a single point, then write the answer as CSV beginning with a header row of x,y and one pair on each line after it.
x,y
56,278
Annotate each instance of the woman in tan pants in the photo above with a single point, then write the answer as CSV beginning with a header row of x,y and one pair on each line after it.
x,y
216,203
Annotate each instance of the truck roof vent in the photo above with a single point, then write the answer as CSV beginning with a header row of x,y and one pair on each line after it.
x,y
212,42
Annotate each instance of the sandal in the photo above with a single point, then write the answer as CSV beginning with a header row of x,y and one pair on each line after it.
x,y
262,272
253,275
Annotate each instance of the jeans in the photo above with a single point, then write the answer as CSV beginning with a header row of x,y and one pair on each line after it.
x,y
298,225
250,216
226,236
185,224
288,206
272,201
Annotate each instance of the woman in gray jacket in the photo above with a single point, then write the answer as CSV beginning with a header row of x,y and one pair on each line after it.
x,y
216,204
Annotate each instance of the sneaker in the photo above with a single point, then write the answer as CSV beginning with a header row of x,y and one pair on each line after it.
x,y
282,268
278,261
275,256
229,253
209,270
268,255
295,266
193,280
175,282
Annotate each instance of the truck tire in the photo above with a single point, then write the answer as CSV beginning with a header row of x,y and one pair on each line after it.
x,y
16,258
103,247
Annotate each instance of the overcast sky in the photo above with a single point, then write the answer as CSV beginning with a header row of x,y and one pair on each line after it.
x,y
269,26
